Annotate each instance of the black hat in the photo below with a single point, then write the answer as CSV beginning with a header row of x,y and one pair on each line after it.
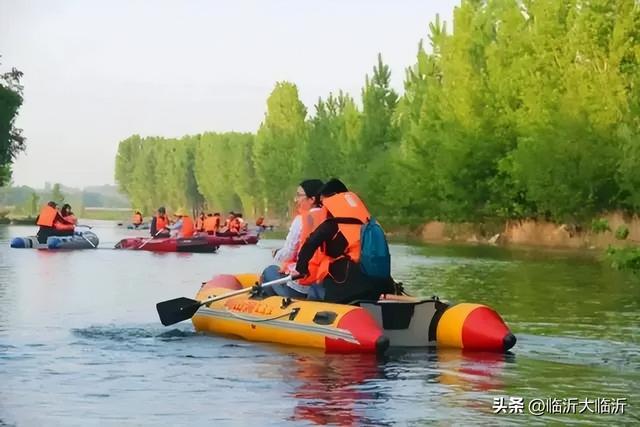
x,y
333,186
311,187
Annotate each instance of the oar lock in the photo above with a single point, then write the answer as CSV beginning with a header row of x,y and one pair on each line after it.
x,y
256,290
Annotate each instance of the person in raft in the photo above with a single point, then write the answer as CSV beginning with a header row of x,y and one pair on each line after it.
x,y
184,226
211,223
200,222
52,223
68,215
160,224
330,255
232,225
137,219
306,202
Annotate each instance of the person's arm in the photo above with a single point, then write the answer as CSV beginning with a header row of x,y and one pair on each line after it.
x,y
152,227
324,233
288,251
176,226
60,218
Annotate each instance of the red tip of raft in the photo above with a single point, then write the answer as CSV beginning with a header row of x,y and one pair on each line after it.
x,y
474,327
484,329
225,281
368,337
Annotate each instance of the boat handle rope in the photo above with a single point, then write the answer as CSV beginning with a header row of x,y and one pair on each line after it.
x,y
253,320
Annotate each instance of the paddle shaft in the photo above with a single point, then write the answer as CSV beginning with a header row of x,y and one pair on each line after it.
x,y
85,238
150,239
245,290
179,309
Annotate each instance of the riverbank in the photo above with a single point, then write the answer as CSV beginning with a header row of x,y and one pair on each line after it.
x,y
608,231
535,233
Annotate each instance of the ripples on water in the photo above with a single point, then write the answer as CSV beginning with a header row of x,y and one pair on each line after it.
x,y
80,343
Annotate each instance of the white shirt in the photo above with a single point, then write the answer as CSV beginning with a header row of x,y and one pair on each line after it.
x,y
295,232
288,251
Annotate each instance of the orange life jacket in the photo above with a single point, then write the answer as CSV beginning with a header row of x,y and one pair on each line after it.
x,y
62,226
199,224
210,224
310,222
137,219
234,225
188,228
344,205
71,218
161,222
47,216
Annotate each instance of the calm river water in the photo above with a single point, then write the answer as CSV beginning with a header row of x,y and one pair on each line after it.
x,y
81,344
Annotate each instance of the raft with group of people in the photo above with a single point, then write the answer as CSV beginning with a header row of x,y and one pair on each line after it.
x,y
331,288
57,230
205,234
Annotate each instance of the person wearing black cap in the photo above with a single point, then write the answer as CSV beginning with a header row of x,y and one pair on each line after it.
x,y
306,198
340,277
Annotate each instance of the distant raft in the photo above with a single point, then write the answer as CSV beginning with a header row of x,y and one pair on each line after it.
x,y
167,244
241,239
364,326
80,240
143,226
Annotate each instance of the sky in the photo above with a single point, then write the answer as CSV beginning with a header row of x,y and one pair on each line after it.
x,y
98,72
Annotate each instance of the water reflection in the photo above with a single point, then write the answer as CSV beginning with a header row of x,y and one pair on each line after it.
x,y
336,389
355,389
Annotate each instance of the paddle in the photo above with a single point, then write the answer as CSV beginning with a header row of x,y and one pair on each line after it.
x,y
179,309
150,239
83,236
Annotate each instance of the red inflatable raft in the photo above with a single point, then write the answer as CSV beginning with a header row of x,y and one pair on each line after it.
x,y
168,244
243,239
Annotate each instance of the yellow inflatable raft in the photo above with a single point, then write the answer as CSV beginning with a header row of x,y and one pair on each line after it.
x,y
367,326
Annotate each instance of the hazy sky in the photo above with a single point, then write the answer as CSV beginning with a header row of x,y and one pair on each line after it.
x,y
98,72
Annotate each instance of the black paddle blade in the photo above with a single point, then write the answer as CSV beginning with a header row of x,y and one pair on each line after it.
x,y
176,310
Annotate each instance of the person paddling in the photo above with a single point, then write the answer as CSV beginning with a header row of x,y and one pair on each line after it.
x,y
52,223
306,200
184,225
160,223
337,244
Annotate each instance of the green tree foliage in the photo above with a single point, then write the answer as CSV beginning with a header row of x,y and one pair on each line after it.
x,y
11,139
56,194
378,139
527,109
279,145
33,204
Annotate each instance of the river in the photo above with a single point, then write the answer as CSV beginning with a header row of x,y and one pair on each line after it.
x,y
81,344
